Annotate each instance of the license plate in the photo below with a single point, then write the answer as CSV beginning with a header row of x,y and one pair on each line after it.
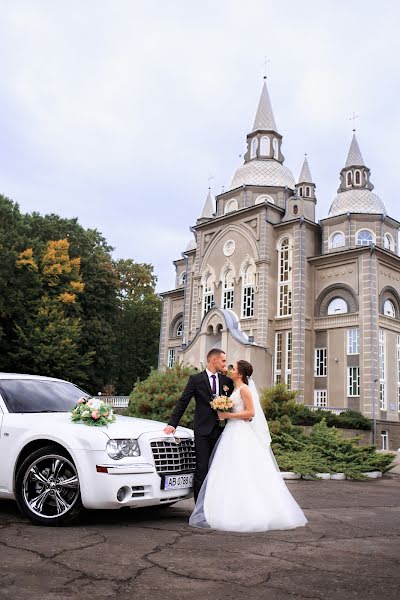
x,y
177,482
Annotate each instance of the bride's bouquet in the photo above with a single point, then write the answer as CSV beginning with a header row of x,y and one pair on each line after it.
x,y
92,411
221,404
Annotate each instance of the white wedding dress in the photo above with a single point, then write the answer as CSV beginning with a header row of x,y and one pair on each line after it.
x,y
244,490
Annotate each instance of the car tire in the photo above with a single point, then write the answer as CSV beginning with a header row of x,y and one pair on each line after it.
x,y
47,487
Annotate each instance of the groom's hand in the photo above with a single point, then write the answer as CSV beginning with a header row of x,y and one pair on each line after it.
x,y
169,429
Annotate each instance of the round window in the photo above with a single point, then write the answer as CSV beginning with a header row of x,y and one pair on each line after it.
x,y
229,247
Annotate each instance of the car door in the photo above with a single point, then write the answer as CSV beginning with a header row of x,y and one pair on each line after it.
x,y
3,449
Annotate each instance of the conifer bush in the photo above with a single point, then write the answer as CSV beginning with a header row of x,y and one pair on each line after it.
x,y
326,451
278,402
155,397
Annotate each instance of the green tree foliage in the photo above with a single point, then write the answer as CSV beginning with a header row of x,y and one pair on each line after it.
x,y
99,302
12,305
62,297
49,344
138,324
48,337
156,397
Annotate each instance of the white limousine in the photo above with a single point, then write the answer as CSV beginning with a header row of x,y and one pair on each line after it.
x,y
54,468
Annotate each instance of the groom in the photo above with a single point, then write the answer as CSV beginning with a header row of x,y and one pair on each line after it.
x,y
203,386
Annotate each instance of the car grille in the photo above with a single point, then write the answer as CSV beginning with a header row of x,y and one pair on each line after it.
x,y
170,457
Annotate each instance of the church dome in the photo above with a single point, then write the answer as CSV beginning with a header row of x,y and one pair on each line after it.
x,y
357,201
263,172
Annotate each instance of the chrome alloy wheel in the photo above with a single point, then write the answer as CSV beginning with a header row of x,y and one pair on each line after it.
x,y
50,486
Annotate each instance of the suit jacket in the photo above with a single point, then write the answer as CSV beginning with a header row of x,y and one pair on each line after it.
x,y
198,387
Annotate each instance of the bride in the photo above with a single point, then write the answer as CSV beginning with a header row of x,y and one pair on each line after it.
x,y
244,490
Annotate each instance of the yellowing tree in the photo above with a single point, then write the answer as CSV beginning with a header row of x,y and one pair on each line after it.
x,y
59,270
50,340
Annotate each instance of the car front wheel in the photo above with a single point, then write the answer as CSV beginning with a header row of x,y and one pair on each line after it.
x,y
47,487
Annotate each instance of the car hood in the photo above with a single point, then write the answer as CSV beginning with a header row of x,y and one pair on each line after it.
x,y
133,427
124,427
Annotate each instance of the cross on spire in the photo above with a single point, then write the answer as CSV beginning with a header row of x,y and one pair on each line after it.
x,y
265,66
209,181
353,118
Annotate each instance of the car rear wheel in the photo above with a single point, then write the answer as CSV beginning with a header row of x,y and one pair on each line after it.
x,y
47,487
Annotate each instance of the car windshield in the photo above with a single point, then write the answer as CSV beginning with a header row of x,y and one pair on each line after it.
x,y
35,395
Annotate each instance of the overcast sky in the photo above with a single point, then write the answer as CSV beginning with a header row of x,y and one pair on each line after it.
x,y
118,111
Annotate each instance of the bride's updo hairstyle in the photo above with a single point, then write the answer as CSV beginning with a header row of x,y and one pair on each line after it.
x,y
245,370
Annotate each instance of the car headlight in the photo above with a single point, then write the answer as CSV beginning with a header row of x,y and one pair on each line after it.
x,y
118,449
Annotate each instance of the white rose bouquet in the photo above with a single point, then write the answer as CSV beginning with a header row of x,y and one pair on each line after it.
x,y
92,411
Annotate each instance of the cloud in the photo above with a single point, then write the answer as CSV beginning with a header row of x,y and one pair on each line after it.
x,y
119,112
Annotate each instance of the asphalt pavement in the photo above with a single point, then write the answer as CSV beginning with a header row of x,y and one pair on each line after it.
x,y
349,549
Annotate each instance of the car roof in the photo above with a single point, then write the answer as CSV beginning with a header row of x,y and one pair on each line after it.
x,y
27,376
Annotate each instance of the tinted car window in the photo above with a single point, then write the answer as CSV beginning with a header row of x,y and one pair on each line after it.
x,y
32,395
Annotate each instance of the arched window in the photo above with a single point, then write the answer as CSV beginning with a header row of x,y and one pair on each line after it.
x,y
227,289
300,191
295,209
285,278
365,237
337,306
388,309
176,328
337,240
265,146
275,146
253,149
248,279
358,177
389,242
231,205
349,178
308,192
182,278
208,293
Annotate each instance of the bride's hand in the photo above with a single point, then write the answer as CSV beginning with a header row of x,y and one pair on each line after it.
x,y
223,415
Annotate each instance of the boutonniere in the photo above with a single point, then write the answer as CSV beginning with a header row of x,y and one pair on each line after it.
x,y
225,388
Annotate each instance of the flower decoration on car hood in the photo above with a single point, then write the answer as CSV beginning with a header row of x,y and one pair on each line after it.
x,y
92,411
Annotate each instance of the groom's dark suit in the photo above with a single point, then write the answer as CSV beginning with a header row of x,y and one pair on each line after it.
x,y
206,427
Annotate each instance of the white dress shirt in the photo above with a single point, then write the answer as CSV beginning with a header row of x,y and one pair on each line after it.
x,y
211,381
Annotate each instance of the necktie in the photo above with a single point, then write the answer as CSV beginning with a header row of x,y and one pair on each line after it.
x,y
214,384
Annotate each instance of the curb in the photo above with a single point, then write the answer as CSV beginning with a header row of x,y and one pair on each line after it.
x,y
325,476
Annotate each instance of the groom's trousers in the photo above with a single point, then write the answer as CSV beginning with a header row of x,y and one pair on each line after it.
x,y
204,445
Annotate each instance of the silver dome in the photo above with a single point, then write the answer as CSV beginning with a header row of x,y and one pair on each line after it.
x,y
357,201
263,172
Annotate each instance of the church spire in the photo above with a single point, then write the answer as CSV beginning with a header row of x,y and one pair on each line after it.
x,y
264,142
264,117
208,210
355,174
304,197
305,175
354,158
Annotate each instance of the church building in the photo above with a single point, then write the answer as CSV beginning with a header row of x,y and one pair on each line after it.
x,y
315,305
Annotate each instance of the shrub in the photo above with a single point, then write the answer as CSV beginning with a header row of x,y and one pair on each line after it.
x,y
155,397
325,451
277,402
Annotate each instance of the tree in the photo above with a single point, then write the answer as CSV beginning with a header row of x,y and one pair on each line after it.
x,y
138,323
52,270
49,344
48,338
99,302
